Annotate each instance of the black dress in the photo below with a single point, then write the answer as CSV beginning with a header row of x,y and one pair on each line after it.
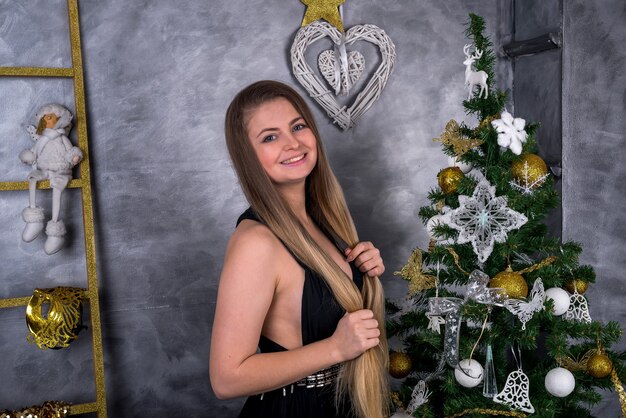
x,y
319,317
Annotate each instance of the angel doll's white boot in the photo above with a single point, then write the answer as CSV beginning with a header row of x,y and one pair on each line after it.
x,y
56,237
34,223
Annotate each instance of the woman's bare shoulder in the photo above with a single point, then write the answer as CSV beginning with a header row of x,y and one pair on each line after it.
x,y
254,248
252,234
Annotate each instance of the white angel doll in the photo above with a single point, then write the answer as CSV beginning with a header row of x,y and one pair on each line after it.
x,y
52,158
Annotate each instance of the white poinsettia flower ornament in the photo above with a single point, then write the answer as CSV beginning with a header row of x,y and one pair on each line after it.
x,y
511,133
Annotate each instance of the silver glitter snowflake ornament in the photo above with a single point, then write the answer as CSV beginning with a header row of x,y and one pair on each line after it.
x,y
527,184
483,219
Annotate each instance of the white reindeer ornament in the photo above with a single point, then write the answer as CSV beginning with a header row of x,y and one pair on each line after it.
x,y
473,78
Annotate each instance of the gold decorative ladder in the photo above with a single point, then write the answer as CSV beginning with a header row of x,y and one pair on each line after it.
x,y
84,184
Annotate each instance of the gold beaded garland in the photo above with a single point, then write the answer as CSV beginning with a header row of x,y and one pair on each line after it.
x,y
512,282
578,284
399,364
449,179
599,365
528,170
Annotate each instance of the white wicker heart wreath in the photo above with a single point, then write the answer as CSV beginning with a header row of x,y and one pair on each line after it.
x,y
331,70
344,116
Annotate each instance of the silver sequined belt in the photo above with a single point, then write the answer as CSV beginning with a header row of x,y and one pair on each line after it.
x,y
318,379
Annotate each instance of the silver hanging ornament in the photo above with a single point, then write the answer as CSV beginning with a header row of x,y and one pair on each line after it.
x,y
490,386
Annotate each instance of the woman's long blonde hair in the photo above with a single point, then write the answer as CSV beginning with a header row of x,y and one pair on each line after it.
x,y
363,379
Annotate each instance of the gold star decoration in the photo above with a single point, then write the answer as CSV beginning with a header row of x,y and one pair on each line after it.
x,y
413,273
323,9
452,137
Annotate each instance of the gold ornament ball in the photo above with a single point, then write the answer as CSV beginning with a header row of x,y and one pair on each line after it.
x,y
578,284
513,284
449,179
599,365
536,169
399,364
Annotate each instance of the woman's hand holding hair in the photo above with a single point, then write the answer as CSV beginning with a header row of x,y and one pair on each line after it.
x,y
356,333
367,258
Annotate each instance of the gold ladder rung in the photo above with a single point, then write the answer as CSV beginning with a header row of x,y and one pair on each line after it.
x,y
45,184
36,72
14,302
83,408
23,301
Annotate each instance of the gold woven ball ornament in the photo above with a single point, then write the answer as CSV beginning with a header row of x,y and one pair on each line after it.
x,y
536,169
599,365
400,364
512,282
449,179
578,284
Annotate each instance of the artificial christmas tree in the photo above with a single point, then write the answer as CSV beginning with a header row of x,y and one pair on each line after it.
x,y
487,323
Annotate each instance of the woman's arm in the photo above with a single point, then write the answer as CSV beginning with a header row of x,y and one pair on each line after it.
x,y
247,287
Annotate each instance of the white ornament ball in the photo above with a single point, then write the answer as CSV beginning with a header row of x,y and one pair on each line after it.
x,y
560,298
560,382
473,373
465,167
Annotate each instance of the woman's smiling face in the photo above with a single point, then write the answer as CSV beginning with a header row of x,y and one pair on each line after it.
x,y
284,144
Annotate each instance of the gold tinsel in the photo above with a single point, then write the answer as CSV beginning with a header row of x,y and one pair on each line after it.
x,y
529,170
449,179
399,364
323,9
619,388
412,271
456,260
452,137
537,266
492,412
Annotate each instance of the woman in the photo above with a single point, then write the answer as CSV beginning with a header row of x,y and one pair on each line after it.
x,y
315,314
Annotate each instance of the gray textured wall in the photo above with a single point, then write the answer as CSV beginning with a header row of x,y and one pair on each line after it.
x,y
159,75
594,151
537,85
